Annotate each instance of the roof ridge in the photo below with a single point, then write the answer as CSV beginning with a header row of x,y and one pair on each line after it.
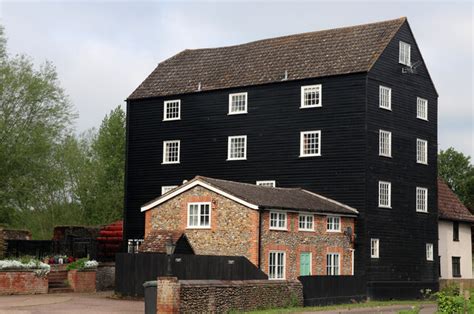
x,y
245,183
400,19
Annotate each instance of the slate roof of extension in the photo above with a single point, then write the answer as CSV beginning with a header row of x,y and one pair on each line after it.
x,y
315,54
267,197
449,205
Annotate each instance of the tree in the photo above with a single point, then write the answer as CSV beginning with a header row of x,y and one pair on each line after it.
x,y
100,190
458,172
35,117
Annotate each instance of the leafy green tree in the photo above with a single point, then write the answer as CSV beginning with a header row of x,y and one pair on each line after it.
x,y
458,172
35,116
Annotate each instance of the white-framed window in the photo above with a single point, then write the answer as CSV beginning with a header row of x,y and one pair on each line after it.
x,y
429,251
385,97
311,96
310,143
332,264
306,222
404,56
385,143
167,188
374,248
238,103
333,224
199,215
278,220
421,199
422,108
237,147
171,152
172,110
267,183
421,151
276,265
385,194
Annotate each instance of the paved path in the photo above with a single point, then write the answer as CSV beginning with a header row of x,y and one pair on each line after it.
x,y
68,303
392,309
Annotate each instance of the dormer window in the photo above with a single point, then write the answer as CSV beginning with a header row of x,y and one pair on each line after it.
x,y
405,54
238,103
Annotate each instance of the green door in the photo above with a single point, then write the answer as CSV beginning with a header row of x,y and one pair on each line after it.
x,y
305,264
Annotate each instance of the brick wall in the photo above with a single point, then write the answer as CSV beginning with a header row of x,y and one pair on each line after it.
x,y
22,282
215,296
318,242
233,231
82,281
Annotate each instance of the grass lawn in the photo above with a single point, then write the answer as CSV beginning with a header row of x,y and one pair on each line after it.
x,y
341,306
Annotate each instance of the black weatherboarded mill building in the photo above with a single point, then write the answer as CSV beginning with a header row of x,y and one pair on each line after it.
x,y
349,113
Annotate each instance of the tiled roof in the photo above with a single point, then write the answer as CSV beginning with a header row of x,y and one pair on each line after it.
x,y
271,198
449,205
315,54
156,240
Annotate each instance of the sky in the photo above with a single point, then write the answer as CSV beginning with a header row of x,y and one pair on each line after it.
x,y
104,49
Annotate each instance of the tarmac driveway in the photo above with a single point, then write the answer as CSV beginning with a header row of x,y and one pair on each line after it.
x,y
68,303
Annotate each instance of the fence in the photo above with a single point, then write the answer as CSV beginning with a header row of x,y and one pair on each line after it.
x,y
132,270
323,290
77,247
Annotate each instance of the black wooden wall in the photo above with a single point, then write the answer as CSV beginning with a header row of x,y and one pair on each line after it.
x,y
348,170
403,232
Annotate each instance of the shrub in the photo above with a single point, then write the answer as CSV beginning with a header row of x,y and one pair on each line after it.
x,y
451,303
26,263
82,264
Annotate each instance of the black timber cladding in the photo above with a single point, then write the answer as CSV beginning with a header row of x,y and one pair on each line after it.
x,y
348,170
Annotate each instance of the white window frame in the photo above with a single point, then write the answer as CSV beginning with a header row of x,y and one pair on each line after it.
x,y
330,270
382,98
330,225
404,53
421,192
229,146
166,188
165,143
267,183
374,248
165,109
382,151
230,103
272,276
302,135
199,226
319,90
278,213
389,195
421,156
422,108
429,252
305,223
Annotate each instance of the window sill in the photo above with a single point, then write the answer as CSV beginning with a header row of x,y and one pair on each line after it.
x,y
375,258
306,230
420,118
313,106
170,163
422,163
278,229
198,228
386,156
175,119
384,108
333,231
236,113
422,212
387,207
312,155
234,159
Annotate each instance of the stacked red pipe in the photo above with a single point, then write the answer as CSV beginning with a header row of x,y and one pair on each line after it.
x,y
110,240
